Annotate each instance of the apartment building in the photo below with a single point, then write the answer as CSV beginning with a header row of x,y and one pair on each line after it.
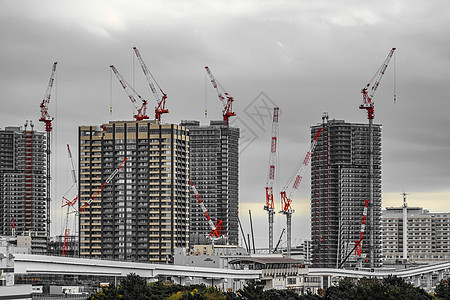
x,y
143,212
339,188
23,208
428,235
214,170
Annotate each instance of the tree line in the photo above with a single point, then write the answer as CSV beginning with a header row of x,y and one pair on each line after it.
x,y
134,287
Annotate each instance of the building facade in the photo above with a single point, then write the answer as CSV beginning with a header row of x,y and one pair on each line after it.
x,y
428,235
143,213
23,208
339,188
214,170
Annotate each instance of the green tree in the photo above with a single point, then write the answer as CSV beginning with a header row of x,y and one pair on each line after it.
x,y
390,288
397,288
252,291
107,293
345,289
443,289
160,290
134,287
280,294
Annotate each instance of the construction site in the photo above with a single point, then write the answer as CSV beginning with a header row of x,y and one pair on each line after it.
x,y
146,191
131,199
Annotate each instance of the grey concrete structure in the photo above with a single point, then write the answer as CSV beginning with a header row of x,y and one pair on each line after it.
x,y
51,269
23,184
214,170
339,188
143,213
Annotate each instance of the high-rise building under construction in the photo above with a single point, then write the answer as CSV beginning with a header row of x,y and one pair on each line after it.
x,y
142,214
214,170
23,209
339,190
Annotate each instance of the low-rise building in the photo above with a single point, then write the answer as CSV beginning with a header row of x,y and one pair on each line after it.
x,y
428,236
280,272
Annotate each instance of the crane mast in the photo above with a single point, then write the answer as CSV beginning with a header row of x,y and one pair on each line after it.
x,y
47,119
69,204
270,207
141,111
293,184
100,189
216,229
368,92
228,103
154,86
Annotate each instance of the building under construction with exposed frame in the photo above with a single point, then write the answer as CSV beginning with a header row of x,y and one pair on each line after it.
x,y
214,170
339,188
23,206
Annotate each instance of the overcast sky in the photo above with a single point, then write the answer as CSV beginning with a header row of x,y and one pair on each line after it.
x,y
307,57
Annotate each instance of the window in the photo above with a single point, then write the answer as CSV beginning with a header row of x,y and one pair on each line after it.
x,y
292,280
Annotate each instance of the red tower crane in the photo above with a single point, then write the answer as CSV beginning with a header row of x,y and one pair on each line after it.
x,y
293,184
227,104
368,92
142,111
74,179
69,204
217,230
100,189
270,207
45,117
158,92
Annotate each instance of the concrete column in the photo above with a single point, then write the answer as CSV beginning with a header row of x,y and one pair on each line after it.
x,y
416,280
429,281
440,275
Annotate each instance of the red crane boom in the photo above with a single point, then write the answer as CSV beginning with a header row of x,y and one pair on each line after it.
x,y
227,110
296,177
113,174
45,116
142,111
217,231
159,94
358,243
369,90
293,184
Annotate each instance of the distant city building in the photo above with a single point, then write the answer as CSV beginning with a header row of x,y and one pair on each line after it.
x,y
214,170
301,252
428,235
23,208
56,246
339,188
143,213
